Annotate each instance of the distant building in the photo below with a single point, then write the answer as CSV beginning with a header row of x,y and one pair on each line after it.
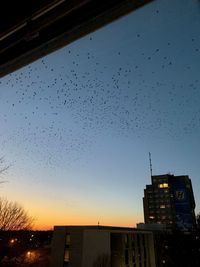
x,y
170,200
152,226
93,246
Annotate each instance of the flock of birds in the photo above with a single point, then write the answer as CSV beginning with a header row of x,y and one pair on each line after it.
x,y
58,110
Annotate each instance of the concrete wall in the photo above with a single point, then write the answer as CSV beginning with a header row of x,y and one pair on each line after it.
x,y
152,259
135,251
58,246
76,248
95,244
89,244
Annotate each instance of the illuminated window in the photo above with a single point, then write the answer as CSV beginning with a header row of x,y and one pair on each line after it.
x,y
151,217
66,255
162,206
163,185
67,239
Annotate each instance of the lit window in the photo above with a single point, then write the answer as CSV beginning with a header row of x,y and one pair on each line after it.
x,y
126,240
66,255
151,217
67,240
162,206
163,185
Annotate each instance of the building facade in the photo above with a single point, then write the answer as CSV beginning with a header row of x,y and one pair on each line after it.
x,y
170,200
93,246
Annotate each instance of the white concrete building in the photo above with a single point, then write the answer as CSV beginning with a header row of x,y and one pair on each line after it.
x,y
94,246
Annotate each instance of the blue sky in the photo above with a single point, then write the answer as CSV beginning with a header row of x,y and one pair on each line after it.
x,y
78,124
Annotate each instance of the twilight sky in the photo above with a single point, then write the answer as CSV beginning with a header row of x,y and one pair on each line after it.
x,y
77,125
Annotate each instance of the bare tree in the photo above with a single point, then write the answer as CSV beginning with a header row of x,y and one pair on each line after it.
x,y
3,168
13,216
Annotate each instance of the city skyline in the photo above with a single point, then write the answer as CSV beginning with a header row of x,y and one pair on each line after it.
x,y
78,124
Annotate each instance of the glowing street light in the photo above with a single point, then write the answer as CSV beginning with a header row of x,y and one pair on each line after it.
x,y
13,241
28,253
30,256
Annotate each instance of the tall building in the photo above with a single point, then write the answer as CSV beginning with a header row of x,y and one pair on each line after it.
x,y
170,200
93,246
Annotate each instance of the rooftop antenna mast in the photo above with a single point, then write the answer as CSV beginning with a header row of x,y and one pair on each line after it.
x,y
150,164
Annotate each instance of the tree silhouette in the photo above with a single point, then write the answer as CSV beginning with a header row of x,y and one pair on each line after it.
x,y
13,216
3,168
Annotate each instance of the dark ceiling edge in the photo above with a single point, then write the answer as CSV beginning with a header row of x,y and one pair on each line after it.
x,y
60,41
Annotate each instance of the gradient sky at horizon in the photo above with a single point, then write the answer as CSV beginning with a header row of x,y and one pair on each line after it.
x,y
78,124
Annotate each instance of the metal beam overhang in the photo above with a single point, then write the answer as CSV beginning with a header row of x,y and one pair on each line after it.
x,y
44,29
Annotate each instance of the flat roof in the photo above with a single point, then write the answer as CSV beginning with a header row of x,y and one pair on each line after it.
x,y
100,227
